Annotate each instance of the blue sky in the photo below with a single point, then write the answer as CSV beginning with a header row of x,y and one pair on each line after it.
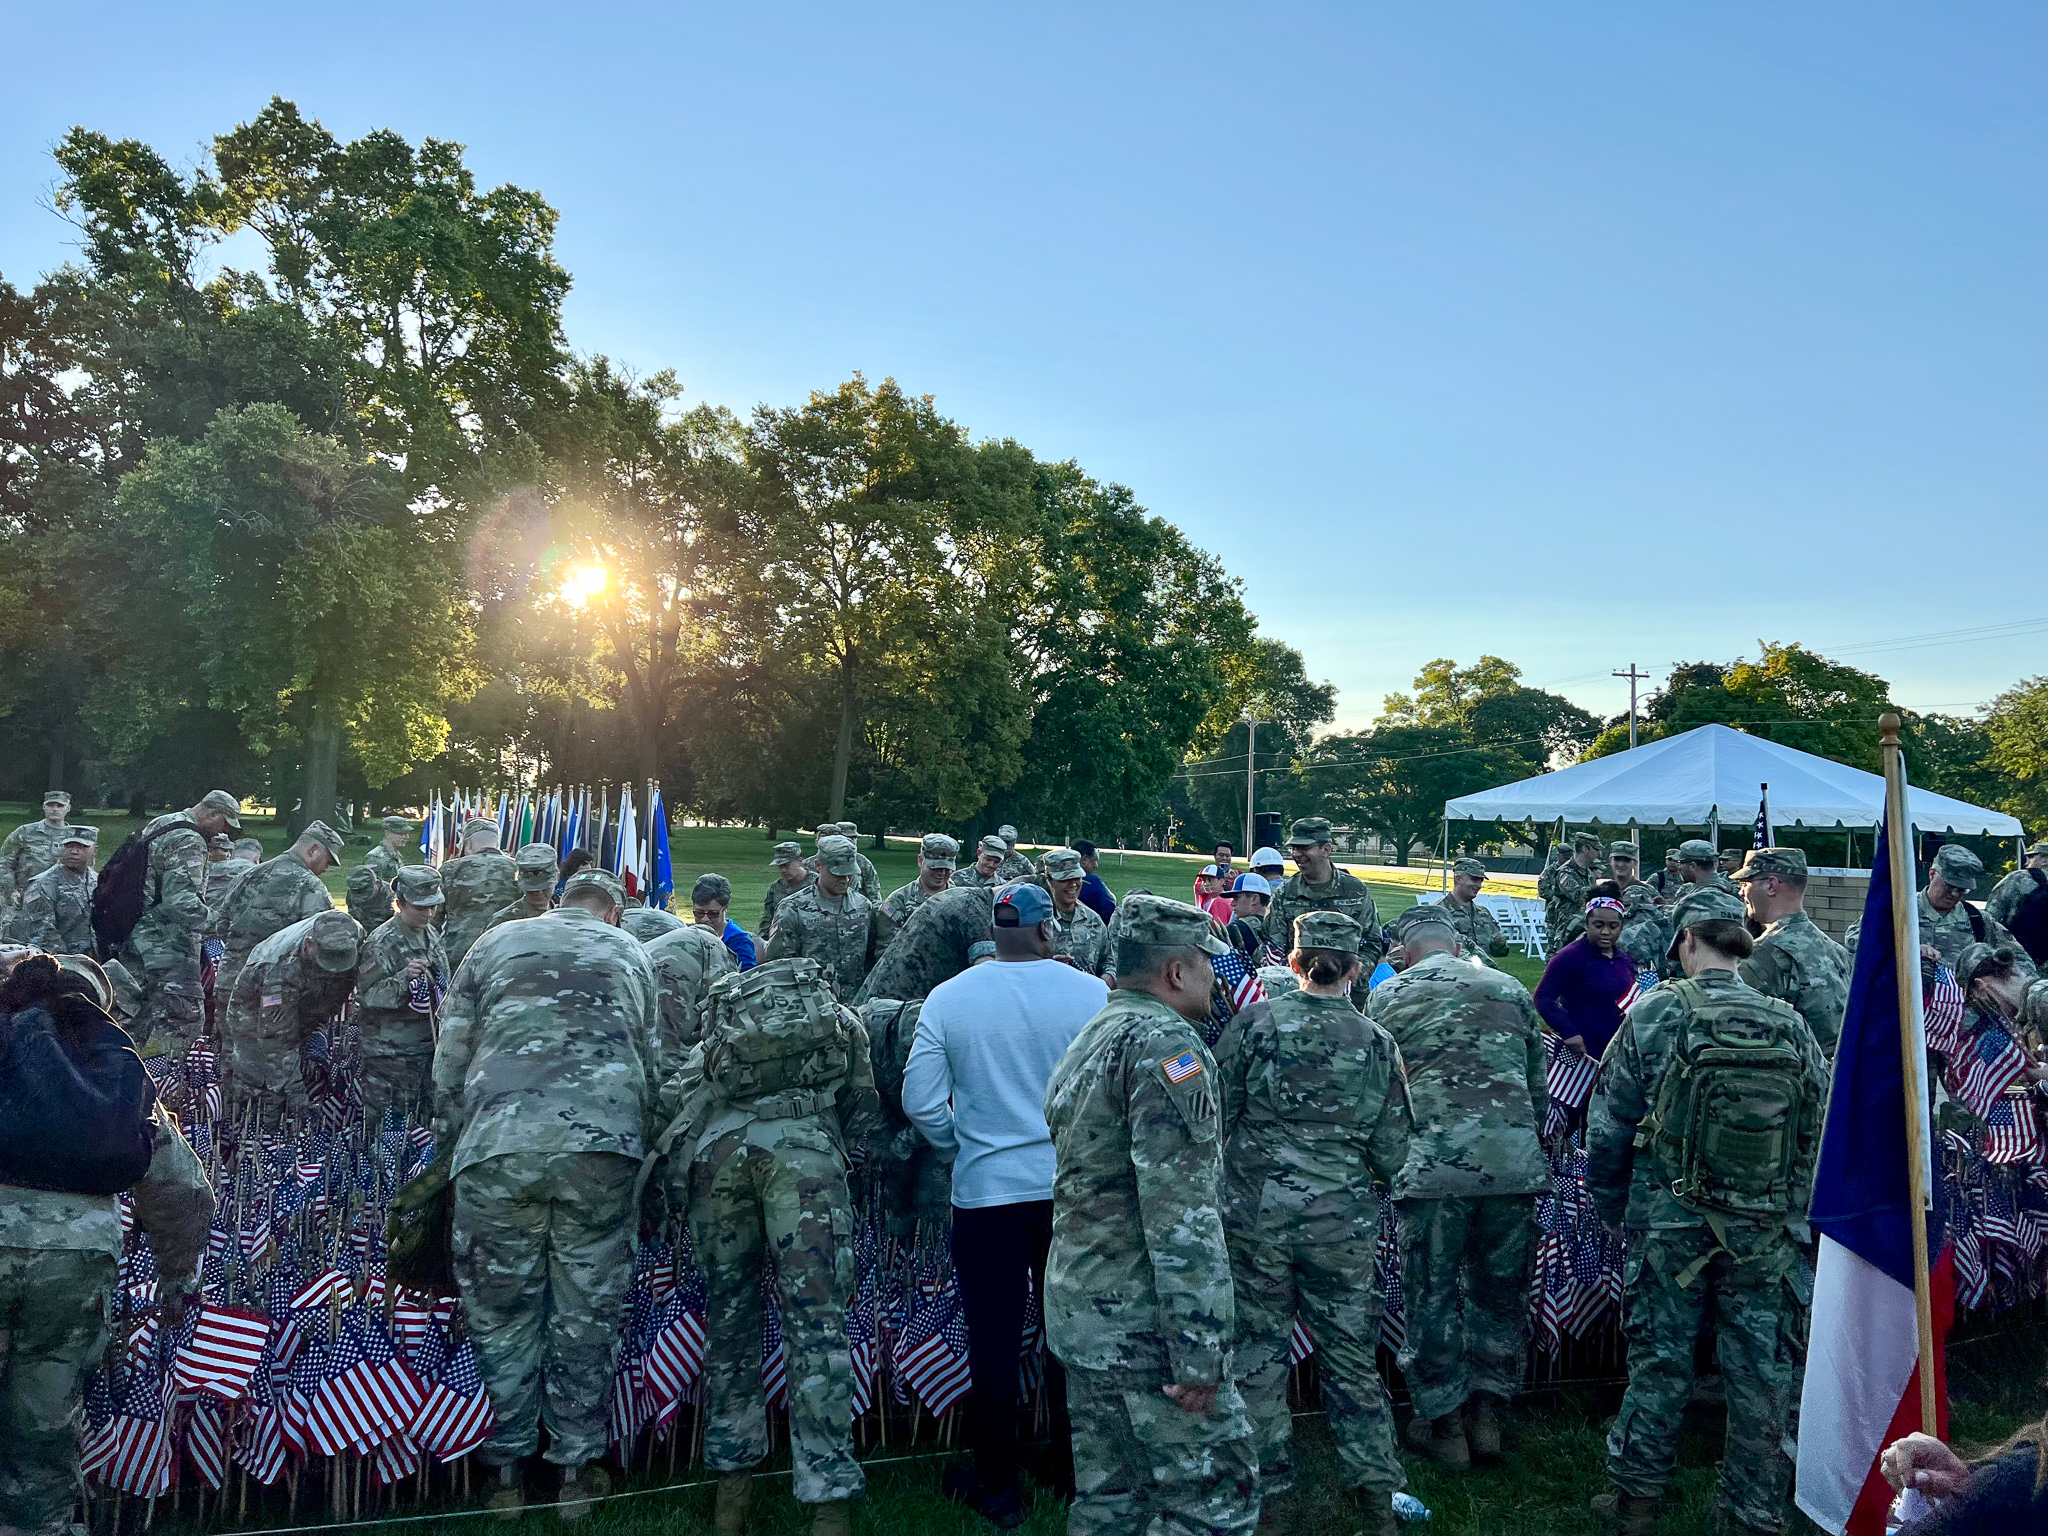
x,y
1580,335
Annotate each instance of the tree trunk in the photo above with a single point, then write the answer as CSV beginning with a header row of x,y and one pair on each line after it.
x,y
842,755
323,767
57,765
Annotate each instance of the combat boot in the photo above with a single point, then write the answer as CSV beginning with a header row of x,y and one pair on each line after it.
x,y
735,1498
1442,1441
507,1496
1629,1514
1377,1508
832,1519
582,1491
1276,1514
1483,1433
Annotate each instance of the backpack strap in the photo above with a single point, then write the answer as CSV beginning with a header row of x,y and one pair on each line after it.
x,y
1976,920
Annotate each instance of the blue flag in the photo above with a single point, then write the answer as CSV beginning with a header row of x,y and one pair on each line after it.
x,y
662,875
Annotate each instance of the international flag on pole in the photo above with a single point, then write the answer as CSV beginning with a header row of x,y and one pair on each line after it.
x,y
1862,1387
661,874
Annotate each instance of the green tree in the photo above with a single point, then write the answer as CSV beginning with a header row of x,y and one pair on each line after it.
x,y
1270,680
1393,780
2017,727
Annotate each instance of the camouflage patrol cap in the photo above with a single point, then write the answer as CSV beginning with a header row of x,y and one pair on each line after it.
x,y
2039,850
785,853
1308,831
56,796
1789,863
1977,958
89,968
939,851
336,939
1471,867
992,844
837,856
1959,867
591,878
535,866
1168,924
321,833
1062,864
220,842
226,804
397,824
1007,833
1703,904
1586,840
87,834
1697,850
847,828
362,880
419,885
1327,930
1623,851
1425,924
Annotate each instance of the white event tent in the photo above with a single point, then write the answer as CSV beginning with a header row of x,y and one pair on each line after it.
x,y
1712,776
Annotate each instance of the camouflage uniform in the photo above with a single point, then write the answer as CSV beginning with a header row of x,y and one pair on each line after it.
x,y
26,852
278,1001
1749,1272
162,954
387,861
272,896
1345,893
1798,963
1014,867
542,1088
59,1262
1473,1048
2013,893
1315,1110
1082,932
649,923
769,1176
477,885
687,960
779,889
397,1053
1138,1290
870,882
1564,887
912,1179
222,874
934,946
56,912
836,931
368,897
534,870
968,876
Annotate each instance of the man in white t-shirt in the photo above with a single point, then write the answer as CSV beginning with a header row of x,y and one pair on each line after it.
x,y
986,1046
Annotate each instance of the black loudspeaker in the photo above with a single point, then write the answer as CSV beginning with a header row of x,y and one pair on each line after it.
x,y
1266,829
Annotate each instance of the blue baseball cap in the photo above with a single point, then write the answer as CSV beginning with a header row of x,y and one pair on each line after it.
x,y
1021,904
1256,885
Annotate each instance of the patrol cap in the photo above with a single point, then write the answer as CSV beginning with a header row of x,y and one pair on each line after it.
x,y
215,800
785,853
711,888
89,968
1586,840
1007,833
939,851
1268,858
397,824
535,866
1425,922
362,880
1703,904
1959,867
1469,867
1977,958
992,844
418,884
220,842
1789,863
1308,831
847,828
87,834
1165,923
1251,885
1062,864
55,796
336,938
2039,849
1022,904
591,878
1327,930
837,856
1697,850
321,833
1623,851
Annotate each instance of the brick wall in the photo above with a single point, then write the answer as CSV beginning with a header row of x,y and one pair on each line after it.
x,y
1835,900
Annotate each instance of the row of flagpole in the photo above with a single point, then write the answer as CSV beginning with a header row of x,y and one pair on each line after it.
x,y
616,835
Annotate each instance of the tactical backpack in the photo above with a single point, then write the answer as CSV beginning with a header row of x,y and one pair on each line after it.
x,y
124,888
1735,1105
775,1029
2030,922
74,1105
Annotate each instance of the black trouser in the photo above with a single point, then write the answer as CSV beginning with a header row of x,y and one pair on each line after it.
x,y
996,1248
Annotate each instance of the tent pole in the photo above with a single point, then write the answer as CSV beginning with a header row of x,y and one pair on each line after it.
x,y
1443,869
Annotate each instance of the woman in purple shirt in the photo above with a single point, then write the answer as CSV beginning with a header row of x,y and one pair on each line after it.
x,y
1589,982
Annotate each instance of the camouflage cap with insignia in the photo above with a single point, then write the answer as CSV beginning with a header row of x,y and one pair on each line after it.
x,y
1007,833
1959,867
992,844
419,885
87,834
592,878
1166,923
1062,864
1586,840
785,853
1623,851
1704,904
321,833
1471,867
847,828
535,866
1327,930
1977,958
362,880
220,842
1697,850
336,939
397,824
1789,863
56,797
838,856
939,851
1308,831
225,804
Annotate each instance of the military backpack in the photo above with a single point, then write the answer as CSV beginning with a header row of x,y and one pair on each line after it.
x,y
775,1029
125,887
1734,1106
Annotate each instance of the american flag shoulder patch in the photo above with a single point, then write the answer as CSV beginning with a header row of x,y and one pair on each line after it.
x,y
1182,1067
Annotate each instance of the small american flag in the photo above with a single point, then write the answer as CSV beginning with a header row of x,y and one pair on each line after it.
x,y
933,1360
1300,1343
1987,1066
1944,1011
365,1393
774,1368
223,1353
2011,1133
206,1440
1239,981
1569,1079
1761,836
137,1456
456,1417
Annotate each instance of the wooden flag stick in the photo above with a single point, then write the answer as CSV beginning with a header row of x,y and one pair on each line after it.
x,y
1906,959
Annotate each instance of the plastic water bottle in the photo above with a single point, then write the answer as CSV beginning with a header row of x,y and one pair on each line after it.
x,y
1409,1507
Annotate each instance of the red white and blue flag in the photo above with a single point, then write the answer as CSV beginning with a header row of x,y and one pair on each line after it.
x,y
1863,1361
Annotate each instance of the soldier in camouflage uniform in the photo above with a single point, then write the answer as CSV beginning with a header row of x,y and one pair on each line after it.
x,y
223,869
793,875
543,1085
912,1180
1473,1048
478,886
1700,865
1793,961
1478,930
1948,922
291,985
936,857
534,871
1081,932
870,882
59,1262
2020,890
989,854
649,923
1315,1114
56,909
1565,885
1997,982
397,1054
831,923
30,849
944,936
368,896
761,1165
162,954
1014,865
687,960
1696,1252
1645,928
273,895
1139,1305
1317,885
388,856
